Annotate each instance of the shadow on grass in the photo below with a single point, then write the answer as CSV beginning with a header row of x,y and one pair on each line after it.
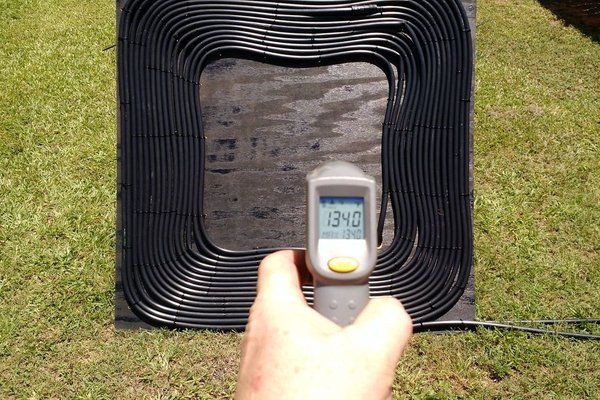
x,y
582,14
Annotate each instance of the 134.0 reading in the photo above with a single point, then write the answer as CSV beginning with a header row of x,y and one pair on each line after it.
x,y
341,218
346,219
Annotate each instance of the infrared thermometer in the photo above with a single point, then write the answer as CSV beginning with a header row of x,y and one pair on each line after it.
x,y
342,243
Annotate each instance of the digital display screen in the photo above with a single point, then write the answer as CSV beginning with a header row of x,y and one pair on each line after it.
x,y
341,218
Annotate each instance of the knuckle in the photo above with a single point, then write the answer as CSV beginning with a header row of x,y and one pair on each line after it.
x,y
268,260
269,263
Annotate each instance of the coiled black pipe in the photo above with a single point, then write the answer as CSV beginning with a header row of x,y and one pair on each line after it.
x,y
172,273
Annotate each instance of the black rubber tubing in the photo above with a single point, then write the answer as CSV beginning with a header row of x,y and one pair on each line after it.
x,y
173,274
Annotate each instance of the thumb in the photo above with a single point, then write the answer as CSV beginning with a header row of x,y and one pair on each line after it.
x,y
386,325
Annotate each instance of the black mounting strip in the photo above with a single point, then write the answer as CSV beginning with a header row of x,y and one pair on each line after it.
x,y
172,274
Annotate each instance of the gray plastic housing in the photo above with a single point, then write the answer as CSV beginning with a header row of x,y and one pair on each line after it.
x,y
340,296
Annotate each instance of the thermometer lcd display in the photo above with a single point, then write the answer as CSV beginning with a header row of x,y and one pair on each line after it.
x,y
341,218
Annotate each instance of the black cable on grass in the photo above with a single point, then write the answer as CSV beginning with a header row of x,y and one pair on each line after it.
x,y
473,325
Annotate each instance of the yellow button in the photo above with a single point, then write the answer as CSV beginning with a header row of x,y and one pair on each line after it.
x,y
342,264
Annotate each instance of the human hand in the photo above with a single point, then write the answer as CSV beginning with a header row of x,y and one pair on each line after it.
x,y
290,351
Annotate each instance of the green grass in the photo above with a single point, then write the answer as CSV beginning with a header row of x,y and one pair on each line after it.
x,y
537,219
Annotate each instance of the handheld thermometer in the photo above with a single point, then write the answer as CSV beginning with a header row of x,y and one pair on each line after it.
x,y
342,243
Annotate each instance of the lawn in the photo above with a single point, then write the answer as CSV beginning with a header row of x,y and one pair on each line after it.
x,y
537,220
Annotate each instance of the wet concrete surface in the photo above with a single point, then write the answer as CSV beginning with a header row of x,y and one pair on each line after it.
x,y
267,127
